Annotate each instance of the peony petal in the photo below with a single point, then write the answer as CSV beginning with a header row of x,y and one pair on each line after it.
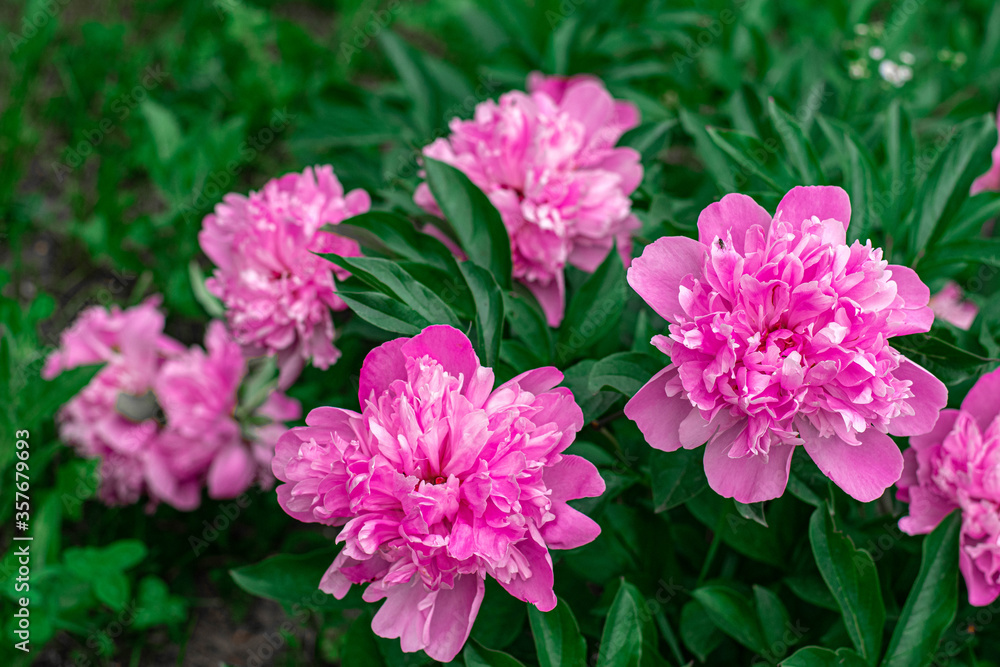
x,y
381,366
573,477
656,274
232,472
551,297
570,529
983,400
916,295
863,471
823,201
733,215
981,591
942,427
657,415
929,398
536,588
536,381
927,509
749,479
453,616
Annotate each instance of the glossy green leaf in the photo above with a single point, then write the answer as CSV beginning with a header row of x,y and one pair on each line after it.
x,y
293,580
594,309
476,223
850,574
625,372
477,655
489,311
558,641
815,656
933,599
676,477
385,312
732,613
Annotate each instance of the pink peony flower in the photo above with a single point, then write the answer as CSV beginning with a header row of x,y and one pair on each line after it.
x,y
957,466
159,416
278,293
778,337
949,306
547,161
990,181
441,481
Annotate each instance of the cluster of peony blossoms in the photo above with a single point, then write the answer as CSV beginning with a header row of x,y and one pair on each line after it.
x,y
159,416
778,337
957,466
278,293
547,161
439,482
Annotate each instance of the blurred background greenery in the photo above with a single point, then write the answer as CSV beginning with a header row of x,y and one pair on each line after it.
x,y
124,123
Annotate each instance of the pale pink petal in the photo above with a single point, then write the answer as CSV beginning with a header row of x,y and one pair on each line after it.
x,y
656,274
657,415
823,201
930,396
983,400
731,216
232,472
863,471
749,479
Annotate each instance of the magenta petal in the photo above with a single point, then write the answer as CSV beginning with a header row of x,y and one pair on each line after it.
x,y
942,427
926,511
232,472
455,611
863,471
916,295
929,398
570,529
733,215
551,297
749,479
401,615
381,366
573,477
537,587
823,201
537,380
981,591
657,415
447,345
656,274
983,400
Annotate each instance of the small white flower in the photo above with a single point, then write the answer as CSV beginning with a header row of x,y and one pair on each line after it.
x,y
895,74
876,53
861,29
858,70
907,58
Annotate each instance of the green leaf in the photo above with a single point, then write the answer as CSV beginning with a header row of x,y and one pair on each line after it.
x,y
933,600
156,606
627,630
753,512
294,580
733,613
797,145
44,397
625,372
477,224
949,180
815,656
123,554
392,280
205,299
163,126
648,138
700,635
754,157
385,312
489,311
676,477
850,574
557,637
500,619
361,648
394,234
595,308
774,620
112,588
978,251
527,323
477,655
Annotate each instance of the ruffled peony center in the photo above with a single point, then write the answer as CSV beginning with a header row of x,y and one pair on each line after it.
x,y
791,326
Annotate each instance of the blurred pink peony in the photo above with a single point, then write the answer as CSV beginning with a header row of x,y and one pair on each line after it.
x,y
160,416
778,337
949,306
277,292
957,465
547,161
441,481
990,181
